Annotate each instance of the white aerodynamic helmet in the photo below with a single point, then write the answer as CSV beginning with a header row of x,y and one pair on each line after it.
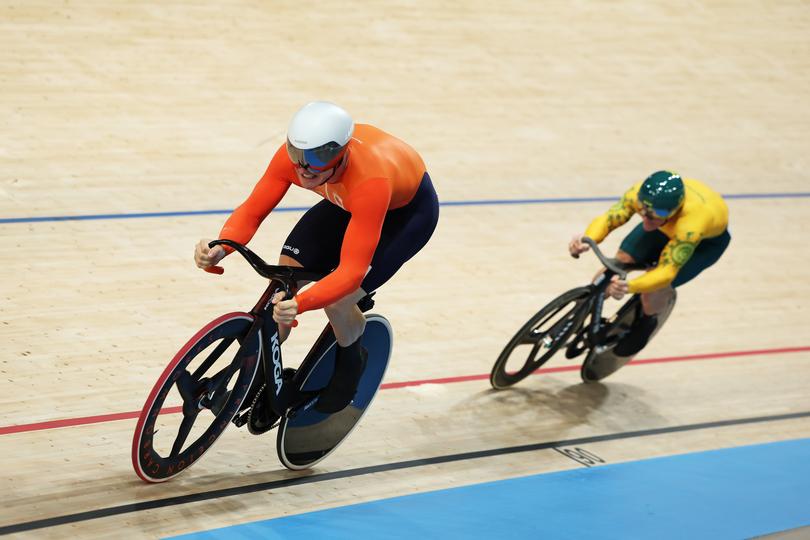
x,y
318,135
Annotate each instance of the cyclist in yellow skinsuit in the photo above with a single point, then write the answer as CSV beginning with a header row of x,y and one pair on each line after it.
x,y
684,228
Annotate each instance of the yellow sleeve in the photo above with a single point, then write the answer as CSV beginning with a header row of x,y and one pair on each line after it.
x,y
674,255
617,215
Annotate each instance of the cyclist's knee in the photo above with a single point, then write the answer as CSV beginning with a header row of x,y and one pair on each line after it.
x,y
624,257
338,309
655,302
286,260
346,304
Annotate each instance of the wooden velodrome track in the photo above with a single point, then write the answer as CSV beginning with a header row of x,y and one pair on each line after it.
x,y
126,109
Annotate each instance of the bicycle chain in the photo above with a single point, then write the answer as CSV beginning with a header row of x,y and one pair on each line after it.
x,y
252,407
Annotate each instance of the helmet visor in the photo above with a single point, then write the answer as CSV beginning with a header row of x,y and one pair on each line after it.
x,y
320,159
661,213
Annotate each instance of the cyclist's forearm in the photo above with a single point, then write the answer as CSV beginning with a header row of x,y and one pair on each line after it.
x,y
598,229
618,214
330,289
655,279
240,227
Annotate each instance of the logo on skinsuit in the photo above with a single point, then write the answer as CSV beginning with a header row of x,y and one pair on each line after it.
x,y
682,252
295,250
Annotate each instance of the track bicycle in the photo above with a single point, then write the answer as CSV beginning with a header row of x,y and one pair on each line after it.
x,y
231,372
574,322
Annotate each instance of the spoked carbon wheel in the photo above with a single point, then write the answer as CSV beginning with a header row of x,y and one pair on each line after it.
x,y
206,383
539,338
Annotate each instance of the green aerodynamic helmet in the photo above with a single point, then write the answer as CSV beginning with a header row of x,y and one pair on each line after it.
x,y
662,194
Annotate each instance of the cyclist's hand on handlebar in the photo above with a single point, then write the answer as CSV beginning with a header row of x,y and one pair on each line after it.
x,y
576,246
207,258
617,288
284,311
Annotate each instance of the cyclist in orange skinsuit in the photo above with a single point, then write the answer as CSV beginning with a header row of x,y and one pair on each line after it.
x,y
379,210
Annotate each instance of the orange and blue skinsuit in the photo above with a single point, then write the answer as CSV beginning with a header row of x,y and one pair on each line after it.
x,y
383,173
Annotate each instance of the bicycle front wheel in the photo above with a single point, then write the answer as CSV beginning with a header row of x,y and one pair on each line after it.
x,y
542,336
206,382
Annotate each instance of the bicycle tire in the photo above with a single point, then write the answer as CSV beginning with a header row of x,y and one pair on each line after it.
x,y
148,462
500,378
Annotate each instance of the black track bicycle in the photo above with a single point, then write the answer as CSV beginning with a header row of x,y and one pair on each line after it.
x,y
574,322
231,372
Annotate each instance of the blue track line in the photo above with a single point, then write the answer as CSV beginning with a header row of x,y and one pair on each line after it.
x,y
481,202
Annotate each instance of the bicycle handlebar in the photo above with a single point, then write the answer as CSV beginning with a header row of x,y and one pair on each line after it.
x,y
289,275
614,265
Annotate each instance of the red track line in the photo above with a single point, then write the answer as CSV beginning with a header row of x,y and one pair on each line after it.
x,y
69,422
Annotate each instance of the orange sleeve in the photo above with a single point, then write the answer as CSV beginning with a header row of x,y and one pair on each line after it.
x,y
369,204
245,220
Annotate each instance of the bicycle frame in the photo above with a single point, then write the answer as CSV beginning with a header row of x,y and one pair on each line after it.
x,y
287,395
596,296
282,279
597,301
270,359
564,323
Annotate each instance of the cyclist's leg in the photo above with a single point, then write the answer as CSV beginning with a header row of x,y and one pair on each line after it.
x,y
348,323
314,243
624,257
643,247
654,303
621,256
405,231
706,253
346,318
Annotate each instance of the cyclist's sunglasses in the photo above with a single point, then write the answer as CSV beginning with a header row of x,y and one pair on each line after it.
x,y
317,159
655,213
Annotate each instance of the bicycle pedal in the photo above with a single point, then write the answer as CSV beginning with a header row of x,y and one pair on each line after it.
x,y
241,419
216,405
573,352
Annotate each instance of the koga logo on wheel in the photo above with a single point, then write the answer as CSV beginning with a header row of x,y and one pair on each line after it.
x,y
276,352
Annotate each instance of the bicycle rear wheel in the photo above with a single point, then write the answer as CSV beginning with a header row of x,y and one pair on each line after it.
x,y
602,361
216,366
543,335
309,436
